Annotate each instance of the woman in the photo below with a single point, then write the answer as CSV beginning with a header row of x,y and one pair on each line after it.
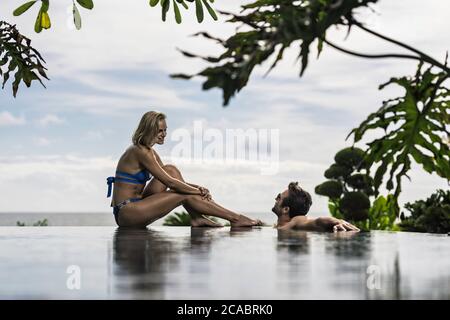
x,y
137,203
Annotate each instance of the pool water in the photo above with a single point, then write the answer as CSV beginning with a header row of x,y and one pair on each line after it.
x,y
196,263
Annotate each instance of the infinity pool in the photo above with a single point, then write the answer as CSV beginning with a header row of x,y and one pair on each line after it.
x,y
194,263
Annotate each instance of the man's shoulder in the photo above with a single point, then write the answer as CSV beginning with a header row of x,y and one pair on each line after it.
x,y
303,222
302,219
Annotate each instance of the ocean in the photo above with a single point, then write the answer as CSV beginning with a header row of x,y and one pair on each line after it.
x,y
87,219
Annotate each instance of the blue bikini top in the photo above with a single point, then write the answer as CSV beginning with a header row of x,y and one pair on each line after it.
x,y
137,178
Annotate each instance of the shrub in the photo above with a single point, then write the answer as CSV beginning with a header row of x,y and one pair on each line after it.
x,y
430,215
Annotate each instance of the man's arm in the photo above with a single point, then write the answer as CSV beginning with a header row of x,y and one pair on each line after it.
x,y
300,223
333,224
319,224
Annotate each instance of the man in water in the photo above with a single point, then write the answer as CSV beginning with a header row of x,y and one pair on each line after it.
x,y
291,207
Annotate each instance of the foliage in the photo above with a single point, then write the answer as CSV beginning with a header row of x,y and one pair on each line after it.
x,y
430,215
39,223
181,219
273,25
43,18
178,219
349,190
382,215
16,47
332,189
414,126
17,55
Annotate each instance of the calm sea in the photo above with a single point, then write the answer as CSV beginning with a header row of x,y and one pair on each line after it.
x,y
86,219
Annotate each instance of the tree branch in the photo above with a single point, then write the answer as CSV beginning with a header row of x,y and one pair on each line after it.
x,y
371,56
424,56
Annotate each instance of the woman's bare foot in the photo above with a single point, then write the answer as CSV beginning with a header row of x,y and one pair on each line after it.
x,y
202,221
244,221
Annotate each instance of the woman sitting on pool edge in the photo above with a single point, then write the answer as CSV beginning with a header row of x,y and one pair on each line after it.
x,y
137,203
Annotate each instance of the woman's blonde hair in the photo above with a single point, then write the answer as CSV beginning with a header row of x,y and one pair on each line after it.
x,y
147,128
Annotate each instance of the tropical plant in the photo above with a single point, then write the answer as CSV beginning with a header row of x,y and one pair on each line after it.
x,y
24,60
17,55
181,219
349,189
39,223
430,215
177,219
43,18
415,125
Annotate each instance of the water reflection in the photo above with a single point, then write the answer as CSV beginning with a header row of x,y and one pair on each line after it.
x,y
294,241
348,244
210,263
147,261
141,259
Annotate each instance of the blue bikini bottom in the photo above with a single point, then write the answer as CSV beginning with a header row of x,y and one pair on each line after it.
x,y
117,208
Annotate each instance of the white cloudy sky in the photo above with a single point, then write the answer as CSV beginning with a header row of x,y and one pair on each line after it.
x,y
59,144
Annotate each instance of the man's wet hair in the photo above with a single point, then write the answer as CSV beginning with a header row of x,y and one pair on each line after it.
x,y
298,200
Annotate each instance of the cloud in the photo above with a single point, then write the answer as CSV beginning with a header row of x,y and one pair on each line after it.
x,y
107,74
7,119
49,119
41,141
74,183
94,135
106,93
55,183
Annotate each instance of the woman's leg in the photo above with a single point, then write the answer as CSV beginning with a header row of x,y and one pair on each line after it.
x,y
154,207
156,186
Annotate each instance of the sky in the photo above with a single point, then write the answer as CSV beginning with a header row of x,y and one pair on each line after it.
x,y
58,145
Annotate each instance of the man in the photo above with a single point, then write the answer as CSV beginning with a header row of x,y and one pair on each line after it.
x,y
291,207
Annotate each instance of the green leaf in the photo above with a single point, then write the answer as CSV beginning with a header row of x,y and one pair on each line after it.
x,y
211,11
165,8
273,24
183,4
76,17
4,61
153,3
177,12
45,20
319,47
45,5
420,112
199,10
23,58
38,23
15,84
23,8
87,4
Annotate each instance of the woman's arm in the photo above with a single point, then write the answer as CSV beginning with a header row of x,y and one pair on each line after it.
x,y
158,158
150,161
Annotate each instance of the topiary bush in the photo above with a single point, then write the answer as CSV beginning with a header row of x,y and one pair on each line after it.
x,y
355,206
349,189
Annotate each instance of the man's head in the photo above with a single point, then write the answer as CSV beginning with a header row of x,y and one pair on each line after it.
x,y
294,201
